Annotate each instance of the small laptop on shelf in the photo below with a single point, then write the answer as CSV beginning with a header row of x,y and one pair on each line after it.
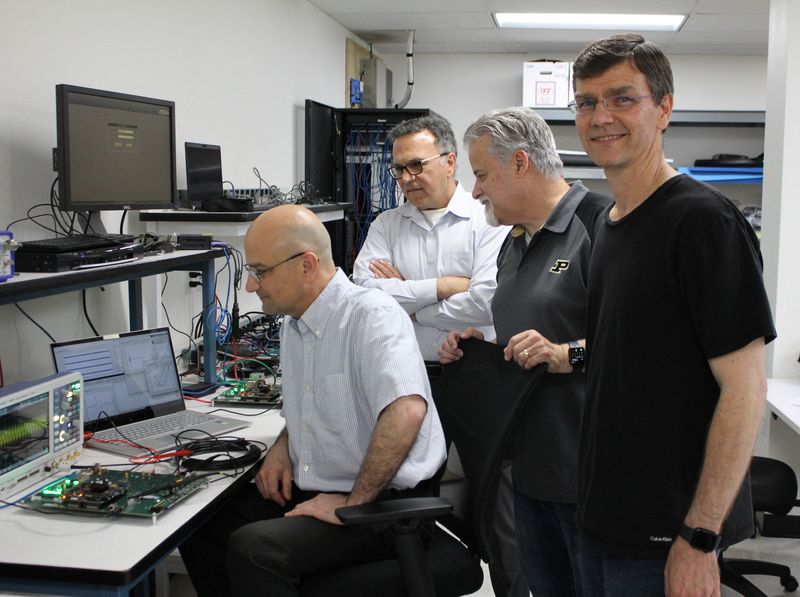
x,y
133,402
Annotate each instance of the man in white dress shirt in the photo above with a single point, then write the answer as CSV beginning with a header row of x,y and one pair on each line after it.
x,y
434,254
437,257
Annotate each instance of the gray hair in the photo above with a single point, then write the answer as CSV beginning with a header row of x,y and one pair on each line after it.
x,y
439,127
514,128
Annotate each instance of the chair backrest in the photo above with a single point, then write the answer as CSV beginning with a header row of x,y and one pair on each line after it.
x,y
773,485
479,399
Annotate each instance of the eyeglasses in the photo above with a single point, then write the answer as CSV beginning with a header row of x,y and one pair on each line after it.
x,y
413,168
615,103
258,273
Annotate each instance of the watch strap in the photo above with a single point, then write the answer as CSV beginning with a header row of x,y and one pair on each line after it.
x,y
700,538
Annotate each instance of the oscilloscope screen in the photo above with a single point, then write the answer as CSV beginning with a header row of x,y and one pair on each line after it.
x,y
23,432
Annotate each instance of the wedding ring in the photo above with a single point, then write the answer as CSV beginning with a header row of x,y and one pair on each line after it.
x,y
525,353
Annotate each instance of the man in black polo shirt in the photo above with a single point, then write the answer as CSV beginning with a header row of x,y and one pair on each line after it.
x,y
539,311
677,322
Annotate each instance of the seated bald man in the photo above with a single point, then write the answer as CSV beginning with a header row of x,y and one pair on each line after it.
x,y
360,424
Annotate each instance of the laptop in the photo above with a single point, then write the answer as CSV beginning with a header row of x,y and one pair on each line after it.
x,y
204,182
131,382
203,172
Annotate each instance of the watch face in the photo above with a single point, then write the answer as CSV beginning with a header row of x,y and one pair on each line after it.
x,y
704,540
576,355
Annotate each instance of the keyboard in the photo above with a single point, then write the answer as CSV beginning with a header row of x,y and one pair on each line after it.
x,y
75,242
167,424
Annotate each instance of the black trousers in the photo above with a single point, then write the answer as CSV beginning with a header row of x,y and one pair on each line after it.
x,y
250,549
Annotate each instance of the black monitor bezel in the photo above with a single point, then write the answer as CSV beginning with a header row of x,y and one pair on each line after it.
x,y
62,154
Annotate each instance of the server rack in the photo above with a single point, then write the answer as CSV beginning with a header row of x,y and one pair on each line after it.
x,y
346,160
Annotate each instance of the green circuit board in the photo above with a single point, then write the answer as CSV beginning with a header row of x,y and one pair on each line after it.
x,y
100,491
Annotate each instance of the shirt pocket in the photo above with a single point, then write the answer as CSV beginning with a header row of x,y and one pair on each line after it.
x,y
457,263
334,405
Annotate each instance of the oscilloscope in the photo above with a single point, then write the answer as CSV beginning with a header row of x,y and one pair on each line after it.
x,y
41,429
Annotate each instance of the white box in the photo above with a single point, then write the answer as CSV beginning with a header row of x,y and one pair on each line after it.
x,y
546,84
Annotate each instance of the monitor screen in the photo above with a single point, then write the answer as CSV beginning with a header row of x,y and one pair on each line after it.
x,y
203,172
115,151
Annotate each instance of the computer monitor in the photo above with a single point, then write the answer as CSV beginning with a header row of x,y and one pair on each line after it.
x,y
203,172
115,151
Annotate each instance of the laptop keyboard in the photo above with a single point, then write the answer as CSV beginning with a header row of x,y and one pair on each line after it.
x,y
168,424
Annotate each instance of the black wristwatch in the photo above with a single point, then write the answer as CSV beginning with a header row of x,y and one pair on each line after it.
x,y
699,538
576,354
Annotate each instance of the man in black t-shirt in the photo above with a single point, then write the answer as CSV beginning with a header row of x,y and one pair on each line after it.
x,y
677,322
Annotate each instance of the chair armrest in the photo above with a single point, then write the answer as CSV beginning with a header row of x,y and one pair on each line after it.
x,y
394,510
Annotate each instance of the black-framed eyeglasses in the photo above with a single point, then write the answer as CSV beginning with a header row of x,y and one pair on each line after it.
x,y
615,103
413,168
259,272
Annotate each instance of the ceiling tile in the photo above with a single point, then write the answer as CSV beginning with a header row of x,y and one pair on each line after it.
x,y
417,21
728,23
729,7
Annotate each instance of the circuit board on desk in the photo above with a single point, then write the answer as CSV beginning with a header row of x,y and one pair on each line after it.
x,y
100,491
257,390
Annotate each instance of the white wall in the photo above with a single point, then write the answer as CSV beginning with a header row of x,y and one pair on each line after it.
x,y
238,71
461,87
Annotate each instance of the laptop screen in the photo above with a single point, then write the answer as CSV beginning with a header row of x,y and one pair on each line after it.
x,y
203,172
126,378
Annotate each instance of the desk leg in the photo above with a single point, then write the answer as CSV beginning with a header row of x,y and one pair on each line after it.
x,y
209,337
135,300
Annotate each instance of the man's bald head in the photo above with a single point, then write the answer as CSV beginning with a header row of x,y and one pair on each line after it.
x,y
289,229
289,250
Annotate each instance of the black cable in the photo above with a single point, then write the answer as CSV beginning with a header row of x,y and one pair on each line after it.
x,y
46,333
122,220
86,312
220,447
169,323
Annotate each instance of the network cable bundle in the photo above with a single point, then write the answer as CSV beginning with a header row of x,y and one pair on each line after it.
x,y
370,187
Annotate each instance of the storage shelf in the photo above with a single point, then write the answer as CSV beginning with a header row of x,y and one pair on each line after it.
x,y
722,175
587,173
739,118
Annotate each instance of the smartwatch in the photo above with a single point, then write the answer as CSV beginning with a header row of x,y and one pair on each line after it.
x,y
576,354
699,538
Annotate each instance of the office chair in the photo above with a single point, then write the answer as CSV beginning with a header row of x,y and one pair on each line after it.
x,y
774,488
478,399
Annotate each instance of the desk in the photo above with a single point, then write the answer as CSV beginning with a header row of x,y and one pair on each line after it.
x,y
783,425
71,555
233,224
26,286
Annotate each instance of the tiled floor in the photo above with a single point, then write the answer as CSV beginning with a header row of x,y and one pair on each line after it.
x,y
783,551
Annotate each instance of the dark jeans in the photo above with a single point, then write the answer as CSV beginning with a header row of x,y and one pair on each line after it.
x,y
250,549
549,546
604,575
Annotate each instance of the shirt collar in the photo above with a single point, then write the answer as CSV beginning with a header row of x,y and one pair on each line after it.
x,y
459,205
315,319
562,214
565,209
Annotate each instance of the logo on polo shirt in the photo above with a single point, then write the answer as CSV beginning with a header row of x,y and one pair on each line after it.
x,y
560,266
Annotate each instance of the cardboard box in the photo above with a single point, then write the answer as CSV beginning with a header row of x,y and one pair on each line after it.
x,y
546,84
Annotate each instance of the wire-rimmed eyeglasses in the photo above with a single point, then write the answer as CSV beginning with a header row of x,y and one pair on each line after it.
x,y
259,272
615,103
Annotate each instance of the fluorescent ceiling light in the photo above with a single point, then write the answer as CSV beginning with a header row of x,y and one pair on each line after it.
x,y
552,20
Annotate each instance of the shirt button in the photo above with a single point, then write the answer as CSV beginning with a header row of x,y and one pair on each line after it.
x,y
305,468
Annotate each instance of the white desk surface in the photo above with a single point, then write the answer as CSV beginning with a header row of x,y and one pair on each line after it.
x,y
110,547
783,398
